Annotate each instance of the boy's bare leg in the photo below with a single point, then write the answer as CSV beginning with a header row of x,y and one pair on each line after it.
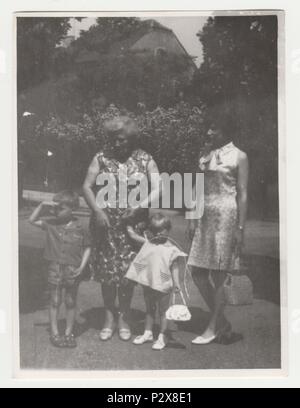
x,y
55,302
70,303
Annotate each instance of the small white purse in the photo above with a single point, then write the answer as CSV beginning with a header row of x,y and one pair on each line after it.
x,y
178,312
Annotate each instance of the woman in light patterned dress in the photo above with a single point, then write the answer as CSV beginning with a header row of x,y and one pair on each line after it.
x,y
113,250
217,237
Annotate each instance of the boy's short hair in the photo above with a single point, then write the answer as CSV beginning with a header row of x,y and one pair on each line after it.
x,y
159,222
67,197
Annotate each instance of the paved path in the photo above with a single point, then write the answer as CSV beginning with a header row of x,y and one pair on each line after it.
x,y
259,323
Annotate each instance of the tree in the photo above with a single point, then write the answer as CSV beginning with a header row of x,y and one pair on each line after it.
x,y
173,136
106,32
238,78
125,77
129,79
37,38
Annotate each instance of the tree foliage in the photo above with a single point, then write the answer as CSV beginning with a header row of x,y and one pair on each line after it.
x,y
124,77
239,72
128,79
173,136
107,30
238,78
37,38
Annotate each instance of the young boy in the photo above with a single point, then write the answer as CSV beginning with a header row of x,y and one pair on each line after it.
x,y
67,249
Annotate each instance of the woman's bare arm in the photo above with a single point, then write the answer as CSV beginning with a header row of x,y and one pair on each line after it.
x,y
134,236
39,211
242,196
156,185
242,188
87,188
89,182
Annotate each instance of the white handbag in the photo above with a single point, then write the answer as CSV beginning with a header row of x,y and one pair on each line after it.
x,y
178,312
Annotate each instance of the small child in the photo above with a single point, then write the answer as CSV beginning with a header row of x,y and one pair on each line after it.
x,y
156,268
67,249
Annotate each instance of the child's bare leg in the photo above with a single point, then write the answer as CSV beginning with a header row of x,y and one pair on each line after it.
x,y
149,297
163,325
70,303
150,309
55,302
149,322
164,303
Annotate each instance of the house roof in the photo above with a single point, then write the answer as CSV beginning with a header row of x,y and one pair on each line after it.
x,y
146,27
119,47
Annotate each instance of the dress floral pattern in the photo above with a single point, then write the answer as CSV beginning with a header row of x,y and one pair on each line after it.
x,y
114,251
213,243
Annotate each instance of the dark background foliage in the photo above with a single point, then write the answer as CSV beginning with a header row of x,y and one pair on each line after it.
x,y
236,83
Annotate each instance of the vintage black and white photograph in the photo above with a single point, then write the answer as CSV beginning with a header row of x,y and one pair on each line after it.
x,y
148,191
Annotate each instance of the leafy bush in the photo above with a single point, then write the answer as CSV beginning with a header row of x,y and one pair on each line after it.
x,y
173,136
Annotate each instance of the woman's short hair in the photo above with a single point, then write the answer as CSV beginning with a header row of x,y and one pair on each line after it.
x,y
121,124
223,117
67,197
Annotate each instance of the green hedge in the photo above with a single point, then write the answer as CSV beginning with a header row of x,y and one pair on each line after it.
x,y
173,136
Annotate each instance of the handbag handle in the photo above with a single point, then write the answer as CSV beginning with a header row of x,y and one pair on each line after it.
x,y
182,297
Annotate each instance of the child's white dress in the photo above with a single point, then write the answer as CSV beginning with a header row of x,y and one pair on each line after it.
x,y
152,265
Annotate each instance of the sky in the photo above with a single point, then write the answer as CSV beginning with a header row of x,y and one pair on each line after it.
x,y
185,29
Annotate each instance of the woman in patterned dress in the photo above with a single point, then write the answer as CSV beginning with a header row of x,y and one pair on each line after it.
x,y
113,249
218,236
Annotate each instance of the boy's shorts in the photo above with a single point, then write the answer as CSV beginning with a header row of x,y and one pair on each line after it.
x,y
62,275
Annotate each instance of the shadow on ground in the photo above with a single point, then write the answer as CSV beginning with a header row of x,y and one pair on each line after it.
x,y
264,272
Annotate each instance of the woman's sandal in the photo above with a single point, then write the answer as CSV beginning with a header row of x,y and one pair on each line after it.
x,y
106,333
204,340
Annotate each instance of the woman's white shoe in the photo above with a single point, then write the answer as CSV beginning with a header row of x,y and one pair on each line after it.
x,y
160,343
106,334
144,338
204,340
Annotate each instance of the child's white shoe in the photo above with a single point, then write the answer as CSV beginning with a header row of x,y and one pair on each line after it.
x,y
160,343
144,338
